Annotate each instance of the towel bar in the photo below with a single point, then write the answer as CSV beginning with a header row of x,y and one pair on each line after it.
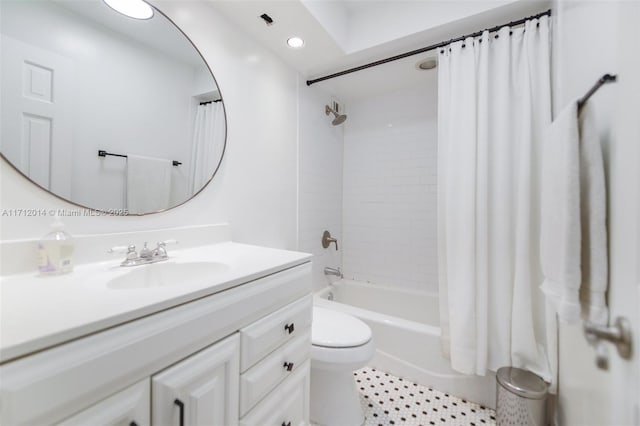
x,y
102,153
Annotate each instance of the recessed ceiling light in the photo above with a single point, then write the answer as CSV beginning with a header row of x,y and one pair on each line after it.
x,y
136,9
295,42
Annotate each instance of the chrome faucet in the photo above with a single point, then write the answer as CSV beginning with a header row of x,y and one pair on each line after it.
x,y
333,271
146,255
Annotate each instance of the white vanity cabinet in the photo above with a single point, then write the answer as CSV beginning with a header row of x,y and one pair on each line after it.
x,y
179,366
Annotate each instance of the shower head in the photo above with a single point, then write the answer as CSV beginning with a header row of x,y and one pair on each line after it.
x,y
340,118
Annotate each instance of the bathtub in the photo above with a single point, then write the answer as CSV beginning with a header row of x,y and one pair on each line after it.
x,y
407,336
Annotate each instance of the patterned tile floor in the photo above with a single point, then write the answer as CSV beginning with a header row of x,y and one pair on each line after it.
x,y
390,400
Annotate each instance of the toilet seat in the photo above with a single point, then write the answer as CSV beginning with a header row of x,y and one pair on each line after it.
x,y
339,341
333,329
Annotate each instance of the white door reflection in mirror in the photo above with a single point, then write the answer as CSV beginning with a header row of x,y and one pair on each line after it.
x,y
78,78
36,113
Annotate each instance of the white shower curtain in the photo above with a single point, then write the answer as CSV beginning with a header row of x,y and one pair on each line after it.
x,y
208,143
493,108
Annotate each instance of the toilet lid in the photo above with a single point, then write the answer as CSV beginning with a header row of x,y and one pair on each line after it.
x,y
335,329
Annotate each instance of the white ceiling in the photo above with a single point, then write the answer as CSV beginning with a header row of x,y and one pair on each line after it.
x,y
340,34
158,33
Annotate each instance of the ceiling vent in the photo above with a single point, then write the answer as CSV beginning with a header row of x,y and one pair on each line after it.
x,y
267,19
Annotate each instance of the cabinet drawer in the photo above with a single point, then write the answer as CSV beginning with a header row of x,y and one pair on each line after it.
x,y
257,381
129,406
267,334
288,404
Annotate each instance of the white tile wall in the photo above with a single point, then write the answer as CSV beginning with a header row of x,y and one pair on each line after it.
x,y
389,188
320,182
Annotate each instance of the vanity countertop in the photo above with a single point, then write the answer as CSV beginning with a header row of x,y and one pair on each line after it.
x,y
39,312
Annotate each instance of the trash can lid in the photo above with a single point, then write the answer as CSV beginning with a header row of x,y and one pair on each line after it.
x,y
522,382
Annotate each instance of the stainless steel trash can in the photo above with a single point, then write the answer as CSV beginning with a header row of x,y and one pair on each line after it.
x,y
521,399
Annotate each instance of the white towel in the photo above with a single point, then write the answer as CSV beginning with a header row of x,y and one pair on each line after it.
x,y
148,184
573,241
593,219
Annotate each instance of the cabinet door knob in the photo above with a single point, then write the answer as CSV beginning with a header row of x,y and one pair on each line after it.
x,y
288,366
289,327
180,405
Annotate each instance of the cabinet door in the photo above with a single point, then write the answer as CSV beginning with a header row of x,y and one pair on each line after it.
x,y
128,407
201,390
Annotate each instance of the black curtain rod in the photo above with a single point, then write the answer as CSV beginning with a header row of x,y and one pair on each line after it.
x,y
102,153
607,78
208,102
424,49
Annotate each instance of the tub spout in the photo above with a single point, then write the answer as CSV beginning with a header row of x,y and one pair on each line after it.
x,y
333,271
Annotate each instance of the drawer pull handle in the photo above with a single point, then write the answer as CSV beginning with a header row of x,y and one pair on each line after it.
x,y
289,328
180,405
288,366
286,424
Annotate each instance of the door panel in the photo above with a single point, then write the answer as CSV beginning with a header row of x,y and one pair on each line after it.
x,y
624,217
36,133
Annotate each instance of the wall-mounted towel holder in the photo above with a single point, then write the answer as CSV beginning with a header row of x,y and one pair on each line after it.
x,y
607,78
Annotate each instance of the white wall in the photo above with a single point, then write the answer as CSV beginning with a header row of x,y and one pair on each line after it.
x,y
321,152
372,23
587,44
389,199
255,190
115,80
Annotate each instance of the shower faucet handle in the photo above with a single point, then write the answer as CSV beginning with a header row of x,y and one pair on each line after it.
x,y
327,239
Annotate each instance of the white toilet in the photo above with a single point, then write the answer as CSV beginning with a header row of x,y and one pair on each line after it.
x,y
341,344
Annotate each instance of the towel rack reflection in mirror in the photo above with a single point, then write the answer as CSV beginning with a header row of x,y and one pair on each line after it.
x,y
102,153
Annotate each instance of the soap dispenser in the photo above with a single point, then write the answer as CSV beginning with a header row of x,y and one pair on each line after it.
x,y
55,251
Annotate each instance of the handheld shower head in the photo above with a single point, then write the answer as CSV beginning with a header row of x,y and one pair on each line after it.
x,y
339,118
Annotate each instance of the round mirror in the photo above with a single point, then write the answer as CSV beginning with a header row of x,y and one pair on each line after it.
x,y
105,110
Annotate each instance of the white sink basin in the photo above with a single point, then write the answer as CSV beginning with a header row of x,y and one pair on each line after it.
x,y
167,274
